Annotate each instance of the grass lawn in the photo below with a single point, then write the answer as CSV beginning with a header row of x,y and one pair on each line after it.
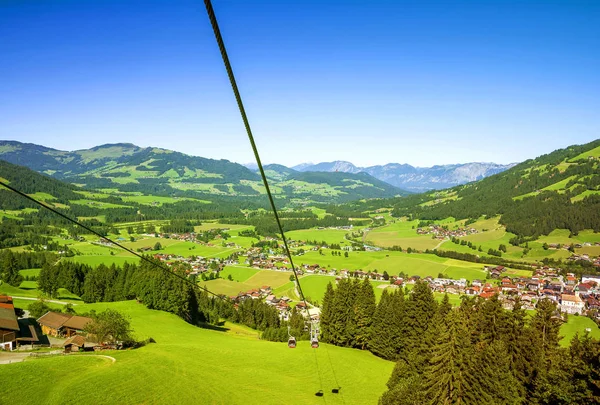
x,y
577,324
190,365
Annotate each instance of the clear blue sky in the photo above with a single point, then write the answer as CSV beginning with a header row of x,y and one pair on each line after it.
x,y
419,82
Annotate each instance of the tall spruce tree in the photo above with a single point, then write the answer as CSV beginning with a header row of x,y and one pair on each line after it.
x,y
420,309
342,325
327,313
449,378
364,308
9,273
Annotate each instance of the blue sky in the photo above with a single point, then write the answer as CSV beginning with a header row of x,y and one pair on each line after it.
x,y
371,82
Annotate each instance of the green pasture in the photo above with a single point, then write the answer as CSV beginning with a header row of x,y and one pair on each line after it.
x,y
29,289
182,248
190,365
239,274
98,204
42,196
206,226
562,236
94,261
30,272
158,200
247,281
590,153
577,324
328,235
586,193
319,212
134,225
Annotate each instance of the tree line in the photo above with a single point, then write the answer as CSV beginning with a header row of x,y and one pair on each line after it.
x,y
154,288
473,354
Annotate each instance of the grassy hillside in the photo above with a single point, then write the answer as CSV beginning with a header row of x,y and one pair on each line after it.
x,y
555,191
192,365
131,169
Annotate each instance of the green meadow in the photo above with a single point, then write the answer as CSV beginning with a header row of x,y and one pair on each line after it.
x,y
577,324
246,279
190,365
400,233
328,235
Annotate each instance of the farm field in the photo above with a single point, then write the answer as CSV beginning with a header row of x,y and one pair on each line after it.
x,y
328,235
248,279
257,372
400,233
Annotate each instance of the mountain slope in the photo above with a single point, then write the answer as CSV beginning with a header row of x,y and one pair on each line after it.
x,y
129,168
560,190
31,182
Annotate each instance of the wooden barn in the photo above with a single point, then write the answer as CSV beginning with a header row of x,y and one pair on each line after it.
x,y
59,324
9,325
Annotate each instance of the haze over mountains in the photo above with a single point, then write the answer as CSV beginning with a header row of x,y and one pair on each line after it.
x,y
410,178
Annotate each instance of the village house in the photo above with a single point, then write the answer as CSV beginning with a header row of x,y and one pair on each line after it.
x,y
571,304
59,324
588,277
9,325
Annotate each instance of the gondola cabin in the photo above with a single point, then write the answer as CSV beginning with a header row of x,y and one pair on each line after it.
x,y
292,342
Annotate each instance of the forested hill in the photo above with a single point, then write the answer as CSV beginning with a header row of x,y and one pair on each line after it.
x,y
30,182
119,159
129,168
557,190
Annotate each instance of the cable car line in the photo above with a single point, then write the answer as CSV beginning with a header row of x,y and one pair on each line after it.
x,y
87,228
238,98
314,332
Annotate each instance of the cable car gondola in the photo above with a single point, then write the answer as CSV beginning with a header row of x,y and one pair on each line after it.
x,y
291,340
314,335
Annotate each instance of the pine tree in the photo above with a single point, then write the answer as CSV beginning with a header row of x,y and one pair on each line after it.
x,y
381,337
47,280
449,378
546,322
342,323
421,308
445,306
10,270
493,376
364,308
491,320
327,313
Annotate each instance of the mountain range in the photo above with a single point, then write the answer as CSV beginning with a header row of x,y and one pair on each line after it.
x,y
415,179
130,168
